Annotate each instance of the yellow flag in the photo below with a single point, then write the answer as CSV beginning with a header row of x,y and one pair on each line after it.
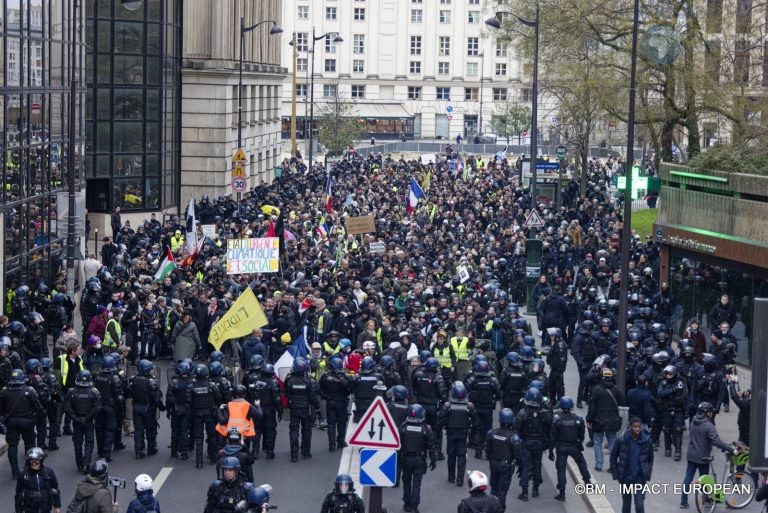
x,y
244,316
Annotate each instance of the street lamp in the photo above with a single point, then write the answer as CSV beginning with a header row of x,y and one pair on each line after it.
x,y
495,23
482,73
315,39
243,29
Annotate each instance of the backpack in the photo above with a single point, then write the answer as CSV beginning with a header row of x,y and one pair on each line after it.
x,y
151,509
474,509
78,504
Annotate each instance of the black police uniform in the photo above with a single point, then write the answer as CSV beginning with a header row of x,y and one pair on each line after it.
x,y
363,388
334,389
37,491
110,389
399,412
81,404
262,387
19,406
147,398
178,401
457,418
710,388
342,503
44,395
567,438
205,399
513,382
557,359
245,458
673,402
429,390
502,446
484,391
533,424
301,393
417,440
51,412
223,495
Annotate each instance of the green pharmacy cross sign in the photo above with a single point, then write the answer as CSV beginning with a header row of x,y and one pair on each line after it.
x,y
639,183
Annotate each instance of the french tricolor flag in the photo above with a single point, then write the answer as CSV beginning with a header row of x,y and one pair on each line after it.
x,y
414,195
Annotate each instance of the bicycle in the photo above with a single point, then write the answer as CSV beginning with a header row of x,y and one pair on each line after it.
x,y
737,488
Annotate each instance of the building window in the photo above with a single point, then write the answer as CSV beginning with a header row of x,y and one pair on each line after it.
x,y
445,16
501,50
301,90
358,66
415,45
473,46
330,44
445,2
330,65
499,93
416,15
473,16
471,69
303,12
330,91
359,14
330,13
301,64
471,93
417,1
501,69
302,42
714,16
474,2
414,93
415,67
525,95
358,43
444,46
443,93
358,91
741,61
712,56
443,68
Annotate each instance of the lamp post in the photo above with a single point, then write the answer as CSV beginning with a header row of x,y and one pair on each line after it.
x,y
482,73
495,23
315,39
243,29
293,98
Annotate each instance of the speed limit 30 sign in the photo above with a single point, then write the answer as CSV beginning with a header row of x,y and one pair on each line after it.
x,y
238,184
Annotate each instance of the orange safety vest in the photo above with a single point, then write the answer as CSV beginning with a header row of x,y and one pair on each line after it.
x,y
238,413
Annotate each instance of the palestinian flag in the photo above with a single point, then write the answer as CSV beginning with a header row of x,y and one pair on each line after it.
x,y
166,266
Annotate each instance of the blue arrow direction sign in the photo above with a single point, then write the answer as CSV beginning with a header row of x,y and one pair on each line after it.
x,y
378,467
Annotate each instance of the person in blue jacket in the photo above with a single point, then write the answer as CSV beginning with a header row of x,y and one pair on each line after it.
x,y
145,501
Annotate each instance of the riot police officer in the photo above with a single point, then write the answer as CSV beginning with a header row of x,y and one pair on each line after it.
x,y
261,386
711,386
584,351
673,403
690,370
81,404
147,399
110,388
398,407
204,400
301,393
217,379
54,387
417,441
502,446
19,407
334,389
363,386
457,416
343,498
484,391
37,490
513,382
557,359
225,494
178,409
429,391
35,380
252,379
533,425
567,438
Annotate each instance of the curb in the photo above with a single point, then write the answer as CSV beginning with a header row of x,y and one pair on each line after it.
x,y
350,464
595,503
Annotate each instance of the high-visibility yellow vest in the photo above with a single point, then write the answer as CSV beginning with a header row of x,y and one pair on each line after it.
x,y
443,355
65,367
329,349
489,325
176,243
460,347
238,418
108,342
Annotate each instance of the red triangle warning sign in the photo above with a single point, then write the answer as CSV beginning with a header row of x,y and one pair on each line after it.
x,y
376,428
533,220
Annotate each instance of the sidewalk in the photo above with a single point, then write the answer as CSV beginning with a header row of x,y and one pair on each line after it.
x,y
665,470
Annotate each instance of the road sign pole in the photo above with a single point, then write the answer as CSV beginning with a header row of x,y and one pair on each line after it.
x,y
375,499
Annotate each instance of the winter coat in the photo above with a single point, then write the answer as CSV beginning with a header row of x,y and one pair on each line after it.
x,y
186,340
603,410
703,436
144,502
641,404
620,454
98,496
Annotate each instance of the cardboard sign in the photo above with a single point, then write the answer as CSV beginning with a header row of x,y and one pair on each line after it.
x,y
377,247
209,230
463,274
246,256
360,224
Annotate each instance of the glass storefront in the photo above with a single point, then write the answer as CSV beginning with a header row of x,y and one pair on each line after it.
x,y
697,283
133,105
34,111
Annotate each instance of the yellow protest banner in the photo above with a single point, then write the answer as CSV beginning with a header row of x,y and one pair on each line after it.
x,y
243,316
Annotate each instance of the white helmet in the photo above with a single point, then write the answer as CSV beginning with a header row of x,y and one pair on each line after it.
x,y
477,481
143,483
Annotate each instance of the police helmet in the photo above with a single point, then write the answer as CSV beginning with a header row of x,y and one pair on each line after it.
x,y
17,377
35,453
299,366
344,484
201,371
107,363
217,356
21,292
415,413
537,384
257,362
588,315
605,321
513,358
526,353
83,378
258,496
670,369
533,397
215,369
230,462
587,326
592,292
17,328
555,332
566,403
183,368
368,364
268,369
688,350
337,363
482,368
99,469
145,367
387,361
506,417
538,365
458,392
399,392
58,297
529,341
46,363
424,355
520,323
33,365
431,364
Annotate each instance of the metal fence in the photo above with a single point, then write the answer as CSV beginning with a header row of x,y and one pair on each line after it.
x,y
438,146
